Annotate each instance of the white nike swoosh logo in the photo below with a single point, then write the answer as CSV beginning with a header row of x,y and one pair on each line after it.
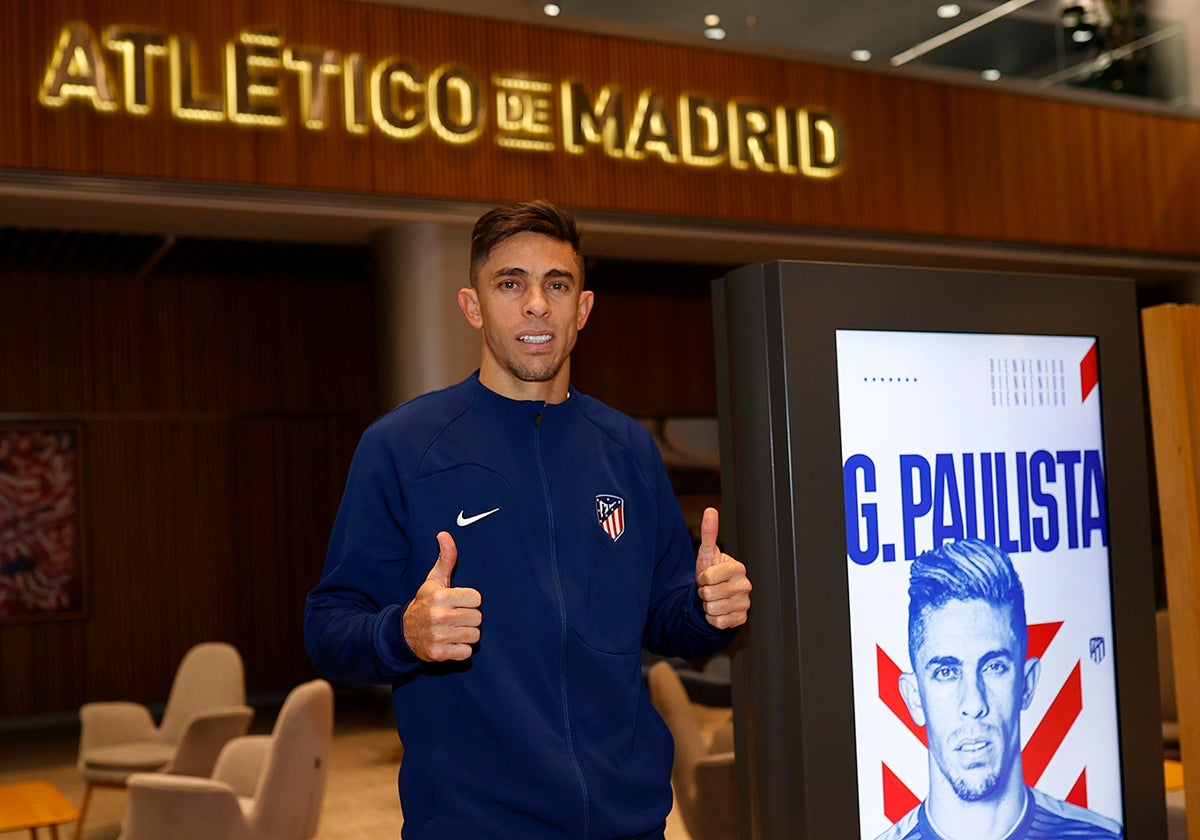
x,y
464,521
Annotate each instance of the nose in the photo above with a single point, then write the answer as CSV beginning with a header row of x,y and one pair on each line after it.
x,y
537,305
972,701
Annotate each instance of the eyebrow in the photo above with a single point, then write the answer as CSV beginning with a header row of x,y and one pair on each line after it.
x,y
941,661
1000,653
522,272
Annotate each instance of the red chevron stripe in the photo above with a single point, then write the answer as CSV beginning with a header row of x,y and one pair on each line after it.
x,y
888,675
1040,637
1053,728
898,800
1078,794
1089,373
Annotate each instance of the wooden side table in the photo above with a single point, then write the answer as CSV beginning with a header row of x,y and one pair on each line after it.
x,y
1173,774
33,805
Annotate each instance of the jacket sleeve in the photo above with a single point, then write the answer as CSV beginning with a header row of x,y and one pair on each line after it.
x,y
676,624
353,619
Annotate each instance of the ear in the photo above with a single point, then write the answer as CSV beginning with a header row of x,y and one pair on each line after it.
x,y
1033,670
586,300
912,697
468,302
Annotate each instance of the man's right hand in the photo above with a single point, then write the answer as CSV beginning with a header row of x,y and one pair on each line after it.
x,y
442,622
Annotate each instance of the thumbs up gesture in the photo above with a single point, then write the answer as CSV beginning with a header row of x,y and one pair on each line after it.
x,y
720,579
442,622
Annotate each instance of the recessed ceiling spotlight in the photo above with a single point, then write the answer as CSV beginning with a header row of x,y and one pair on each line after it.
x,y
861,55
712,20
714,33
991,74
1082,36
949,10
551,10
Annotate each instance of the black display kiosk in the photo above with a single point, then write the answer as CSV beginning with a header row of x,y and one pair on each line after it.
x,y
806,351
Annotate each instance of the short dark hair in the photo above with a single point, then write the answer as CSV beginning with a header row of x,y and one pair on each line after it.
x,y
962,571
542,217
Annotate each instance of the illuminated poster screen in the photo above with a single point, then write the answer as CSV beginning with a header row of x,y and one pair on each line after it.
x,y
988,448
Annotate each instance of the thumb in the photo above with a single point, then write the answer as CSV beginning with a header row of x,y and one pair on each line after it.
x,y
709,554
447,557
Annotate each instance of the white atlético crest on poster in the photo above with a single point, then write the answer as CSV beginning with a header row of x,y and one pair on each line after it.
x,y
610,513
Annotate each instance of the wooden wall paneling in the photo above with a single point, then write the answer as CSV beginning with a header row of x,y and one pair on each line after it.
x,y
325,162
916,154
923,158
256,597
1135,166
287,488
17,659
202,341
1172,348
159,553
42,329
973,149
202,528
179,513
1177,146
649,355
1090,181
336,367
1026,134
58,325
164,379
14,39
53,676
18,368
130,596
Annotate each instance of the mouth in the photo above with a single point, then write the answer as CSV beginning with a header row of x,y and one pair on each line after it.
x,y
970,747
534,339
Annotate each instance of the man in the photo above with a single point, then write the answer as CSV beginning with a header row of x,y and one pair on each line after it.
x,y
504,550
967,639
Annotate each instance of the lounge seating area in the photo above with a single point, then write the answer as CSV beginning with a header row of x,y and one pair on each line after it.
x,y
196,775
205,710
263,786
358,766
353,736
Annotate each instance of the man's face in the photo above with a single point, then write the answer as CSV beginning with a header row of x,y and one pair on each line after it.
x,y
528,299
968,687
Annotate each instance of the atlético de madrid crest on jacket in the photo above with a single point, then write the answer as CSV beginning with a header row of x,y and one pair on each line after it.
x,y
610,513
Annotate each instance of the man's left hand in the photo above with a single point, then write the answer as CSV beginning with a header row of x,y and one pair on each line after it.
x,y
720,579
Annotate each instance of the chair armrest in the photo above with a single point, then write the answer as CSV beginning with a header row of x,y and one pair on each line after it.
x,y
181,808
204,736
240,764
716,793
722,738
109,723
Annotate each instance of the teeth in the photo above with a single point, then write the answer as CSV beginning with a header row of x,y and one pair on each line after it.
x,y
534,339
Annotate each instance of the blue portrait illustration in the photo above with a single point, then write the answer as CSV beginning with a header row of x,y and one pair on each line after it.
x,y
970,680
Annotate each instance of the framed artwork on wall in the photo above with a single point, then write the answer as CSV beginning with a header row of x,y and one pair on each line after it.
x,y
41,529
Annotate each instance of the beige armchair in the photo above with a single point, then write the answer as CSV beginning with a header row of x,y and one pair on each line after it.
x,y
264,787
703,772
205,709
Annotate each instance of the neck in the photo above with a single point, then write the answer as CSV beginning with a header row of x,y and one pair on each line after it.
x,y
498,379
989,819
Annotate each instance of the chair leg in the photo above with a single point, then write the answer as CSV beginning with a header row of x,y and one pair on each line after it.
x,y
83,806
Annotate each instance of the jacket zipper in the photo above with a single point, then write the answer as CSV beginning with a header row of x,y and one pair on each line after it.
x,y
564,629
